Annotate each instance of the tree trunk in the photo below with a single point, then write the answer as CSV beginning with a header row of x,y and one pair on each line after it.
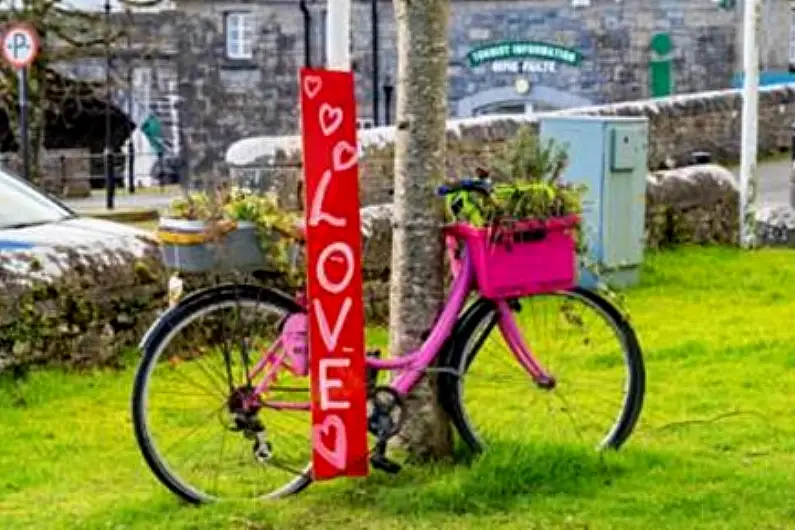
x,y
417,290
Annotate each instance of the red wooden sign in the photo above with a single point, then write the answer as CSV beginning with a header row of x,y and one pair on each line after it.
x,y
334,280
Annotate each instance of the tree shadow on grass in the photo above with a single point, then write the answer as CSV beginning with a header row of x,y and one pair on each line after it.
x,y
506,474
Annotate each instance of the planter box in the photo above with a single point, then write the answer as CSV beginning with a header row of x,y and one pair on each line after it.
x,y
185,246
531,257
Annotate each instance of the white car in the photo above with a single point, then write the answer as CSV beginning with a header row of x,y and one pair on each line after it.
x,y
32,224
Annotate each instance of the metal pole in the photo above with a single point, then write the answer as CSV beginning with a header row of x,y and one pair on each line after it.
x,y
792,168
748,139
376,73
307,33
131,142
110,180
23,121
388,101
338,34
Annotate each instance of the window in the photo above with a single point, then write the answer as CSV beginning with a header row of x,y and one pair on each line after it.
x,y
142,84
239,29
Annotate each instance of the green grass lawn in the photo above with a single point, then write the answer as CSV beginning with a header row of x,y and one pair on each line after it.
x,y
715,447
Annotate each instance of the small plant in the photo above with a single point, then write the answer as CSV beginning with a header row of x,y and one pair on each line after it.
x,y
194,206
526,158
227,207
529,187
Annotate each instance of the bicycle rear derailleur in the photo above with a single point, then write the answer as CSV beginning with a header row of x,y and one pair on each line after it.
x,y
384,419
244,415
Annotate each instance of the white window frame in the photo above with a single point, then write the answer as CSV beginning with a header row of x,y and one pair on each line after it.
x,y
239,35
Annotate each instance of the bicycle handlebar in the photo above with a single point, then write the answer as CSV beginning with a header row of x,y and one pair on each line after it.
x,y
477,185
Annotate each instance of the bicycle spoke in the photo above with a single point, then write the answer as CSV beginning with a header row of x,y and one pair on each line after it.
x,y
577,346
225,340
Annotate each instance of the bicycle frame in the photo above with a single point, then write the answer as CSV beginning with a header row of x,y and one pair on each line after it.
x,y
290,349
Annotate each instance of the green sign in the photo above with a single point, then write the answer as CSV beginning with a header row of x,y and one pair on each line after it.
x,y
153,130
502,51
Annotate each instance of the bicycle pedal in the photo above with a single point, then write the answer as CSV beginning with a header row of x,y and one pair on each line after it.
x,y
382,463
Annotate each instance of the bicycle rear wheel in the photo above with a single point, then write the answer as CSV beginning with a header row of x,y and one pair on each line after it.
x,y
187,398
581,340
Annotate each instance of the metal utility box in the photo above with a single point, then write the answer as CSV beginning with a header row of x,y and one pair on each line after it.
x,y
609,155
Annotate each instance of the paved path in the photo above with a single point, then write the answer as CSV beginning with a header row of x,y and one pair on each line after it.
x,y
773,182
147,200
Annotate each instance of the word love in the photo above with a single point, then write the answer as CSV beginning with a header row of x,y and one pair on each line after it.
x,y
336,315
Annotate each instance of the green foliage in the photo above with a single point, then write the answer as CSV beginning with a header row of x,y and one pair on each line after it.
x,y
276,226
526,158
532,190
82,317
194,206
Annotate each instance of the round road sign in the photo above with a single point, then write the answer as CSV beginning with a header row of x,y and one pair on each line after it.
x,y
20,45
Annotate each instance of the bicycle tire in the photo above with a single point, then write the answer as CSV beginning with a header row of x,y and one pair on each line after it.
x,y
154,343
455,365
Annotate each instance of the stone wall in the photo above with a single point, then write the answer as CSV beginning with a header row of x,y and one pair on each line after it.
x,y
64,172
708,121
678,126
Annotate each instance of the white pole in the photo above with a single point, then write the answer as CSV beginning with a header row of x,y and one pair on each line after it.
x,y
338,33
748,138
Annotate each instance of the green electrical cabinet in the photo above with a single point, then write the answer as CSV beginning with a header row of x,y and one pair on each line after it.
x,y
609,155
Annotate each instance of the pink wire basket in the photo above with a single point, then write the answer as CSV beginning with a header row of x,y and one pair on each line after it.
x,y
523,257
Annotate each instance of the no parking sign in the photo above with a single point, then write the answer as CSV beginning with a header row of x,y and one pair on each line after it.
x,y
20,48
20,45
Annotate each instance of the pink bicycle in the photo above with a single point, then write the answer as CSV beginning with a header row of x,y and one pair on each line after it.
x,y
219,417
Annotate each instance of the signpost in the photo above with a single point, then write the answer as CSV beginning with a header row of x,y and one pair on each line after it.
x,y
20,48
333,244
749,136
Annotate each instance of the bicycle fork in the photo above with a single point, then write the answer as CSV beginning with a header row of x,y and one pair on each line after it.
x,y
507,324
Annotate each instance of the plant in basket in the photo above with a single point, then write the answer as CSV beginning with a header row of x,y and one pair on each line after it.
x,y
527,231
230,228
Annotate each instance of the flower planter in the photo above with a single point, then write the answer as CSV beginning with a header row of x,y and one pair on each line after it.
x,y
188,247
528,257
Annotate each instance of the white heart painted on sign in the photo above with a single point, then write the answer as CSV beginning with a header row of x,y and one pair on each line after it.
x,y
312,86
330,119
344,156
336,456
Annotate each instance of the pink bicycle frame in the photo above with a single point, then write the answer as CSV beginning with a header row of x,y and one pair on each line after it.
x,y
290,349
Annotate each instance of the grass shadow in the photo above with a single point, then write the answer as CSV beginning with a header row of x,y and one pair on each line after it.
x,y
507,474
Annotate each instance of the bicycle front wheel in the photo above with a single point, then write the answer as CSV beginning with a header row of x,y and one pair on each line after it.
x,y
581,340
192,400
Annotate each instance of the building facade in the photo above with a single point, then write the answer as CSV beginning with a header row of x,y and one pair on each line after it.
x,y
233,64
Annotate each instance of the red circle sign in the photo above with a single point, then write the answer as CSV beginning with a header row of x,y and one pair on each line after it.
x,y
20,45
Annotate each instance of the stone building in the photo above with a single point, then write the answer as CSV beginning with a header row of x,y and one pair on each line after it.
x,y
233,63
238,66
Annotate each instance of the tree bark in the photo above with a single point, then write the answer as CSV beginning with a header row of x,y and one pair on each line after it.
x,y
416,288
